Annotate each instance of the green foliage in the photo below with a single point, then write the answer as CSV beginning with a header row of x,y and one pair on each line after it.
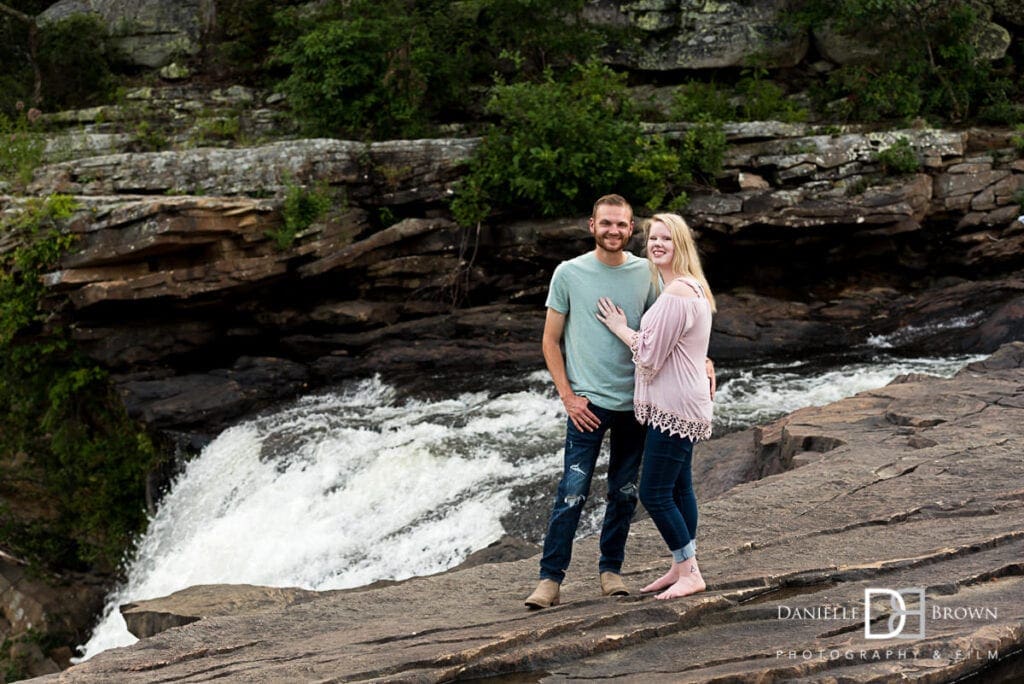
x,y
245,30
761,100
929,62
218,129
15,69
1018,138
14,662
66,441
382,68
75,62
364,71
871,94
696,100
302,208
148,137
1018,198
754,98
559,144
898,159
21,147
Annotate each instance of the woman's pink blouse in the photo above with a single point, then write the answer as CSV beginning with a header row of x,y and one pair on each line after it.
x,y
672,390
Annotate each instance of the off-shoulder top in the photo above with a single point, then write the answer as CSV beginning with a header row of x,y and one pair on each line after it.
x,y
672,391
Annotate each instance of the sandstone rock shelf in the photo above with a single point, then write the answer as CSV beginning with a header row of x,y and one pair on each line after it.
x,y
919,484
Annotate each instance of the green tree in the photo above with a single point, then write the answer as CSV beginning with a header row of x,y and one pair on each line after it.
x,y
383,68
558,144
930,60
65,443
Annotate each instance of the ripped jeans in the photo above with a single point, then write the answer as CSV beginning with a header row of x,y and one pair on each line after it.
x,y
581,452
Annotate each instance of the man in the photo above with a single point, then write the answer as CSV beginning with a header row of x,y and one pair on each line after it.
x,y
595,382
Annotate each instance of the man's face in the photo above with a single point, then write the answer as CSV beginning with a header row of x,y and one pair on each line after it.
x,y
612,227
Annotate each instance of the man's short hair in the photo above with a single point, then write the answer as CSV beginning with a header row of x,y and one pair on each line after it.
x,y
615,201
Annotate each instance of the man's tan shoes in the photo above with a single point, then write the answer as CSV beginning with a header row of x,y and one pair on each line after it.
x,y
544,596
546,593
612,585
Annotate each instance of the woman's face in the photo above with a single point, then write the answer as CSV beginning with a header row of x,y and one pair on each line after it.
x,y
660,249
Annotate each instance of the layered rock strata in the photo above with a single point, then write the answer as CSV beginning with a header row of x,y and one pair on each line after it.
x,y
814,249
917,485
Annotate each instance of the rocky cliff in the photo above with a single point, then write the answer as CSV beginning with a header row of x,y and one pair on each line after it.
x,y
915,485
176,285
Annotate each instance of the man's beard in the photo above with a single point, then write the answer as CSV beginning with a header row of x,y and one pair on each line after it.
x,y
618,244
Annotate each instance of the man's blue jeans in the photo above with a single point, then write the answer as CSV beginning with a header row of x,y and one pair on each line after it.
x,y
666,491
581,452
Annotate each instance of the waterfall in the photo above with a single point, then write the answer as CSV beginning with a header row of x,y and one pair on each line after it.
x,y
343,488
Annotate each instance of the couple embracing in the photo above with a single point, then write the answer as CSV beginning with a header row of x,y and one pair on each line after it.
x,y
636,335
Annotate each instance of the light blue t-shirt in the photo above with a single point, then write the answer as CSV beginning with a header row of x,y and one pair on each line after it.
x,y
599,365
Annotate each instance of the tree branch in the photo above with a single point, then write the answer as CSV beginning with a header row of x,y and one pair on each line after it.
x,y
20,16
33,31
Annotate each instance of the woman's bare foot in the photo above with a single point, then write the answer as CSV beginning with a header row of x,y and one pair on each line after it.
x,y
689,580
666,580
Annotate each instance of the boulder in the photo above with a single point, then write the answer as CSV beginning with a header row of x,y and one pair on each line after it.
x,y
694,34
147,33
206,601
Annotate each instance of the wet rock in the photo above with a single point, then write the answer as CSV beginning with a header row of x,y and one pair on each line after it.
x,y
209,400
917,484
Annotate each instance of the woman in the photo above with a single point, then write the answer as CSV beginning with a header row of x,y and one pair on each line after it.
x,y
672,394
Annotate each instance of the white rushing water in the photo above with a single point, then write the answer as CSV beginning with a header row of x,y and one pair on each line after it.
x,y
339,490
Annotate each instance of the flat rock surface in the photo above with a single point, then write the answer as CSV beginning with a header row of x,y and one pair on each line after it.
x,y
917,485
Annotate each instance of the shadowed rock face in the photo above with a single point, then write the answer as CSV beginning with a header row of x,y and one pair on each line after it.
x,y
919,484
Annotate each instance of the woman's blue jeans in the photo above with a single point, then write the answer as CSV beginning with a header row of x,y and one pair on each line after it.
x,y
581,452
666,491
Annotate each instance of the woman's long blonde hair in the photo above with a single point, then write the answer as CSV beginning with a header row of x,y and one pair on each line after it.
x,y
685,259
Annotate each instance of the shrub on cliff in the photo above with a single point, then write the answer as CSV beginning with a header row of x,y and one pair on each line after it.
x,y
21,145
62,64
75,58
557,145
397,68
930,61
72,465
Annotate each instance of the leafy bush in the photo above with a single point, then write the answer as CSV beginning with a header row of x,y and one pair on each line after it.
x,y
21,147
870,94
696,101
929,63
761,100
753,98
75,62
898,159
302,208
381,68
66,441
559,144
242,38
1018,138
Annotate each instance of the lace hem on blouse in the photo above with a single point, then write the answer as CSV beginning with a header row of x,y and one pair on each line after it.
x,y
672,423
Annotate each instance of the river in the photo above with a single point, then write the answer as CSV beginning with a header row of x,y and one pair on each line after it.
x,y
342,488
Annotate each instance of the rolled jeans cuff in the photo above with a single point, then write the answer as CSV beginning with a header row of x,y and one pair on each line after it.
x,y
685,553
